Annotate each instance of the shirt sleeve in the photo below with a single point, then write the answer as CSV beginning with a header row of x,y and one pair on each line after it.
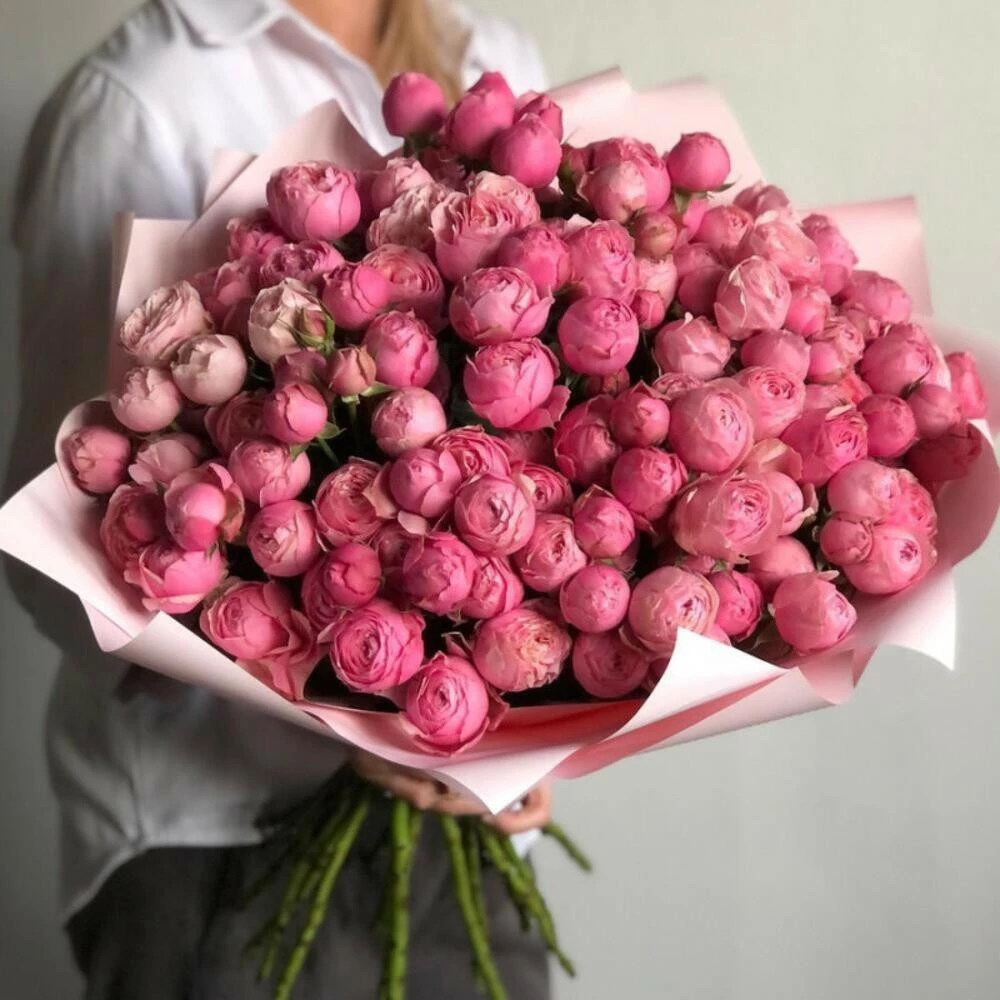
x,y
94,151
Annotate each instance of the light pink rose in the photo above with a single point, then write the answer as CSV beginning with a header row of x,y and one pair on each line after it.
x,y
741,603
496,589
519,197
643,158
967,385
282,538
132,522
520,650
948,457
266,472
837,258
285,318
148,400
468,231
527,150
400,174
407,418
404,349
354,294
787,352
754,295
898,558
603,262
673,385
883,297
834,351
210,370
639,417
497,304
98,457
239,419
585,448
494,515
605,667
448,705
777,399
646,480
827,440
295,413
252,236
655,233
598,336
615,191
413,104
172,579
892,427
350,371
153,332
698,162
727,517
669,599
479,116
603,525
811,614
693,346
549,491
424,480
778,238
595,599
314,200
551,555
798,503
912,506
438,571
504,383
159,460
407,221
309,262
761,198
375,647
845,539
304,366
414,281
203,507
935,410
349,576
711,428
808,311
475,451
228,291
658,277
786,557
723,228
540,254
345,503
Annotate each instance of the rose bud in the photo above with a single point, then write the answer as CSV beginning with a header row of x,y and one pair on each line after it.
x,y
399,175
414,281
966,385
690,219
375,647
211,369
901,358
520,650
761,198
147,401
603,261
598,336
252,236
837,258
615,191
228,291
494,515
309,262
777,399
659,277
354,294
698,162
639,417
314,200
797,504
477,119
595,599
603,526
345,503
655,233
787,352
153,332
883,297
834,351
912,506
203,507
240,418
935,410
424,481
669,599
845,539
550,492
694,346
780,240
711,428
808,311
811,614
727,517
350,371
284,319
132,522
413,104
697,291
896,560
551,555
438,571
174,580
585,448
827,441
504,383
650,312
607,385
496,589
948,457
642,157
407,418
528,151
475,451
691,257
754,295
266,472
98,457
282,538
673,385
347,577
391,541
741,603
787,557
892,427
540,254
304,366
497,304
605,667
645,480
448,704
723,228
159,461
864,489
295,414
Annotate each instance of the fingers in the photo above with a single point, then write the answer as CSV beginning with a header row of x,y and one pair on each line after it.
x,y
535,812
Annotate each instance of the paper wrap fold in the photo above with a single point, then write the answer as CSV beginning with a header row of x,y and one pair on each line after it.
x,y
708,688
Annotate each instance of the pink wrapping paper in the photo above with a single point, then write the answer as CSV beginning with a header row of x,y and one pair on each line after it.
x,y
709,688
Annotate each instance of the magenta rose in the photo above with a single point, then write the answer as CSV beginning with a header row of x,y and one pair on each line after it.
x,y
424,480
811,614
698,162
266,471
948,457
413,104
741,603
147,400
967,385
504,383
496,589
404,349
354,294
694,346
585,448
787,557
285,318
549,491
497,304
845,539
603,262
375,647
603,525
780,240
649,309
132,522
159,460
639,417
551,555
526,150
408,418
697,291
540,254
883,297
438,572
605,667
346,501
520,650
203,507
595,599
606,385
479,116
711,428
669,599
210,370
98,458
691,257
754,295
646,480
827,440
252,236
809,310
414,281
448,704
787,352
892,427
282,538
347,577
598,336
228,291
640,157
172,579
723,228
777,399
314,200
153,332
837,258
494,515
475,451
239,419
295,413
469,230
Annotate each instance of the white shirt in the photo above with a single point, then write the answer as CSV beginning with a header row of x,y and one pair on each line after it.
x,y
138,761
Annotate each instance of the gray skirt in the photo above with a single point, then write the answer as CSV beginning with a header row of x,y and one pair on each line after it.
x,y
168,926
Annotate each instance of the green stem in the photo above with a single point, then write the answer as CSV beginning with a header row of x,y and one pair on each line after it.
x,y
327,450
405,830
474,859
563,839
352,417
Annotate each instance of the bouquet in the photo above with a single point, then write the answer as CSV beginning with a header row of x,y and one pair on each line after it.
x,y
527,448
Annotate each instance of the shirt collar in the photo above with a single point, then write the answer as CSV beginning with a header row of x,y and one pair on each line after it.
x,y
229,22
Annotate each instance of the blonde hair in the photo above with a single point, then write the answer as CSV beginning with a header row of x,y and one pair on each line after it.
x,y
419,35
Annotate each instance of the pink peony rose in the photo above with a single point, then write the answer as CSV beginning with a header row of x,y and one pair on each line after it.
x,y
615,191
295,413
901,358
892,427
497,304
529,446
845,539
645,480
400,174
159,460
605,667
655,233
349,576
504,383
639,417
266,472
598,336
310,262
475,451
285,318
827,440
603,261
203,508
698,162
228,291
494,515
314,200
423,481
669,599
603,525
98,458
438,571
691,257
528,151
354,294
540,254
897,559
741,603
797,503
935,410
595,599
210,370
834,351
447,704
350,371
883,297
787,352
345,503
837,258
414,281
722,230
496,589
520,650
912,506
606,385
754,295
711,428
407,221
585,448
132,522
413,104
478,117
697,291
642,157
786,557
551,555
673,385
808,311
948,457
282,538
468,231
391,542
693,346
148,400
172,579
408,418
690,218
776,398
658,277
549,491
761,198
779,239
649,309
811,614
252,236
966,385
153,332
239,419
404,349
864,488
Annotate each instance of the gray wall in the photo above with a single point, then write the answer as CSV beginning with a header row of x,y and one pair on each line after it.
x,y
847,854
